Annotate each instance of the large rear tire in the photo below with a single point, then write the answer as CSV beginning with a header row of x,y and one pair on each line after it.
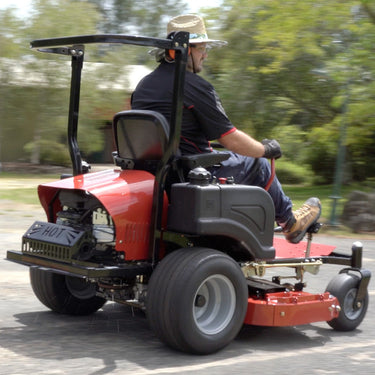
x,y
344,287
197,300
65,294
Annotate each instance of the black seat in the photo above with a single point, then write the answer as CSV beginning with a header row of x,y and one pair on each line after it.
x,y
141,138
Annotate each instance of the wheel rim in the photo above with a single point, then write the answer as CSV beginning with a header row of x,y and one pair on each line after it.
x,y
349,310
214,304
80,288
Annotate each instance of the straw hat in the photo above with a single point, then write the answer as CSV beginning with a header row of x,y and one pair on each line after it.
x,y
194,24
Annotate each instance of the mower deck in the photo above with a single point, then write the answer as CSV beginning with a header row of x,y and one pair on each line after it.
x,y
273,304
291,308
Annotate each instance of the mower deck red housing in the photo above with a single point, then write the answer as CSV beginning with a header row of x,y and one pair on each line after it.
x,y
293,308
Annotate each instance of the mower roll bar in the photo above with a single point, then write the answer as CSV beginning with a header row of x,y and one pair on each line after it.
x,y
74,46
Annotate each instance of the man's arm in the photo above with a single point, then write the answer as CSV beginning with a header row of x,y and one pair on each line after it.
x,y
242,144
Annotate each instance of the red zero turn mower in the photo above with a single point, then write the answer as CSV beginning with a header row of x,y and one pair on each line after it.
x,y
157,232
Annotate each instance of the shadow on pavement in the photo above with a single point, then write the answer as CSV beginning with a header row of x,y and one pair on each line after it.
x,y
116,333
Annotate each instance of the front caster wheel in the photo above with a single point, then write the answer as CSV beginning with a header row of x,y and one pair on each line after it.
x,y
344,287
65,294
197,300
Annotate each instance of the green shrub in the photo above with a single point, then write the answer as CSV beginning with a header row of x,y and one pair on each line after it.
x,y
293,174
50,152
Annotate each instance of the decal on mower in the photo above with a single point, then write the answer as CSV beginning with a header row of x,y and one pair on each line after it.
x,y
54,241
57,234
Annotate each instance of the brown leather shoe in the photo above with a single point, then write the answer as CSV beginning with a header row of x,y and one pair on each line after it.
x,y
304,217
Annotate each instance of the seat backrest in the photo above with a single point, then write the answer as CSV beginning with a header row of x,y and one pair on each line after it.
x,y
141,138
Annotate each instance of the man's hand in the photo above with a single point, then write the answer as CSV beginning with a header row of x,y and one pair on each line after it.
x,y
272,149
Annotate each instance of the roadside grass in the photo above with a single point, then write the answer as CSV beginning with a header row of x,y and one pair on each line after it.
x,y
20,195
22,188
299,194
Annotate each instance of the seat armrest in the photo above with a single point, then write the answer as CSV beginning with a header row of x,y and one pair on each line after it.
x,y
203,160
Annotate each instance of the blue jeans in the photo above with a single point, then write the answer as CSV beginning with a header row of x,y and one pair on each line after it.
x,y
239,167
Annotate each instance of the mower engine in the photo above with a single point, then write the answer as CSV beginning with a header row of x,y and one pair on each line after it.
x,y
83,231
84,213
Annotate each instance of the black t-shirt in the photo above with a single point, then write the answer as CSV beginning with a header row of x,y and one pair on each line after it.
x,y
203,118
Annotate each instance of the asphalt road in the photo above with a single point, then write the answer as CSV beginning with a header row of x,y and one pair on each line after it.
x,y
117,340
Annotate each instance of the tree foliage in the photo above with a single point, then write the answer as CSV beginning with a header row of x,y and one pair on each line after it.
x,y
306,67
299,71
46,103
36,112
147,17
